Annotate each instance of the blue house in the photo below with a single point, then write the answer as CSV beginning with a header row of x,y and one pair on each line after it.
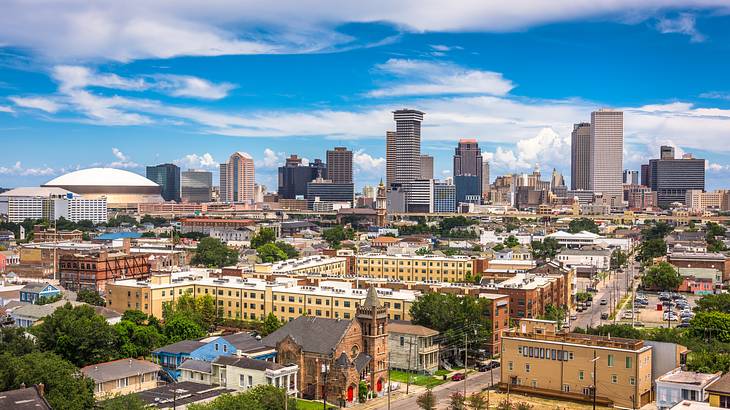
x,y
170,357
33,291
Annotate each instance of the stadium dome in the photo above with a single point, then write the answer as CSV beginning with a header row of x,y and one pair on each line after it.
x,y
121,188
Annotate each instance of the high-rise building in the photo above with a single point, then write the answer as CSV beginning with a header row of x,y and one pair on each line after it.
x,y
339,165
666,152
468,189
645,177
294,177
403,150
390,138
167,176
671,177
607,153
444,197
468,160
426,167
324,190
631,177
196,186
237,178
485,178
580,156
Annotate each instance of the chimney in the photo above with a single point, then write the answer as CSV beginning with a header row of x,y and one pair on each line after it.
x,y
41,388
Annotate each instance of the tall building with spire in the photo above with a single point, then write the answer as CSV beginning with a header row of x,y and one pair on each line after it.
x,y
237,179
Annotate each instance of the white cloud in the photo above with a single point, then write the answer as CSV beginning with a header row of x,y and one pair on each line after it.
x,y
365,163
123,161
5,108
195,161
684,23
138,29
18,170
419,77
272,159
716,95
78,77
546,148
195,87
39,103
715,167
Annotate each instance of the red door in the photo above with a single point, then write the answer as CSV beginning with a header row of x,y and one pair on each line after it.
x,y
350,393
379,385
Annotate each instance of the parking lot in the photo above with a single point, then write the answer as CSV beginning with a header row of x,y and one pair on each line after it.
x,y
650,315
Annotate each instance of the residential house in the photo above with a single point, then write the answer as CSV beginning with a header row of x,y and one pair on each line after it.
x,y
412,347
596,257
122,376
33,291
241,373
170,357
678,385
28,314
700,281
719,392
25,398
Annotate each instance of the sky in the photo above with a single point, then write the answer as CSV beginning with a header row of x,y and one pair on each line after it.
x,y
137,83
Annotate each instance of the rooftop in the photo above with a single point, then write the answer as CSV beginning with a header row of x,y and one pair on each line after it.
x,y
35,192
684,377
118,369
410,329
583,340
314,334
24,399
100,177
181,393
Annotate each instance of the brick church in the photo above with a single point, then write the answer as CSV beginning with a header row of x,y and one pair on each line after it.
x,y
334,355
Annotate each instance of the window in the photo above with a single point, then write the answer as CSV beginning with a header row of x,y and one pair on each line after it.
x,y
225,347
122,383
509,366
628,362
581,375
689,395
566,388
241,380
614,379
250,381
99,387
401,340
725,402
519,349
216,347
527,367
610,360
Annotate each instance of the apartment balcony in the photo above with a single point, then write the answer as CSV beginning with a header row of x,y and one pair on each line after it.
x,y
429,349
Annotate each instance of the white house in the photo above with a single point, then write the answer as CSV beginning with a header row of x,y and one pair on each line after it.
x,y
678,385
598,258
240,373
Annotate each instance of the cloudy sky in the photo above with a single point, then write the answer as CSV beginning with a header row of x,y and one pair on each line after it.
x,y
135,83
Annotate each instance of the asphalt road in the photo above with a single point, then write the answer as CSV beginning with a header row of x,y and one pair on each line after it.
x,y
475,382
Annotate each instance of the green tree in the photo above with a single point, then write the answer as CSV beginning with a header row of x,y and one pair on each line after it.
x,y
262,237
123,402
427,401
457,401
714,303
334,236
91,297
705,361
662,276
652,248
137,340
64,389
270,253
16,341
181,327
618,259
270,325
658,230
498,247
451,315
545,249
555,313
291,252
77,334
714,325
45,300
582,224
211,253
362,391
476,401
713,231
582,296
624,331
511,242
137,317
423,251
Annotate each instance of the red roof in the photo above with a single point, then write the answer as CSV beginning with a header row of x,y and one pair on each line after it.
x,y
204,220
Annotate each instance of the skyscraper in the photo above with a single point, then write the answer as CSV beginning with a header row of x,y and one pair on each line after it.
x,y
631,177
485,178
403,150
339,165
645,177
390,138
426,167
167,176
580,156
468,158
607,154
196,185
237,178
293,176
671,177
666,152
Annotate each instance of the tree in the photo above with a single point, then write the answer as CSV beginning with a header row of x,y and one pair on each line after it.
x,y
714,303
334,236
91,297
180,328
711,325
555,313
457,401
45,300
201,310
78,335
427,401
582,224
211,253
618,259
476,402
511,242
545,249
658,230
137,317
451,314
270,253
713,231
662,276
498,247
362,391
652,248
15,340
123,402
262,237
261,397
64,389
291,252
270,325
423,251
624,331
137,340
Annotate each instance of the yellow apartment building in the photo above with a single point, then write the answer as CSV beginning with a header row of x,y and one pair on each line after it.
x,y
316,264
252,298
415,267
537,360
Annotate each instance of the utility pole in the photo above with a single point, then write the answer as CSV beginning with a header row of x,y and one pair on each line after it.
x,y
389,380
410,347
466,358
595,378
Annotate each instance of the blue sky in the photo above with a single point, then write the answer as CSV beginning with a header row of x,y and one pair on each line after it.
x,y
140,84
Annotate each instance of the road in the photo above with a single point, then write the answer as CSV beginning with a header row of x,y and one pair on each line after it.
x,y
614,288
474,383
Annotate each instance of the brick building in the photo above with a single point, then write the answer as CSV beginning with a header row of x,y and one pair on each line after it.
x,y
333,355
704,260
41,234
95,270
530,293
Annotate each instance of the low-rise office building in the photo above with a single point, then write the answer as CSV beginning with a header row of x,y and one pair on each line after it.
x,y
537,360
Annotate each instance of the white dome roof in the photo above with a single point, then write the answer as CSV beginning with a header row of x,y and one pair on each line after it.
x,y
101,177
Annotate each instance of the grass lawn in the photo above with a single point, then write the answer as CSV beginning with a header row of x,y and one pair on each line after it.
x,y
417,379
441,372
311,405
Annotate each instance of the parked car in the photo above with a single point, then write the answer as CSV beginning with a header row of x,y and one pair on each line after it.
x,y
638,324
591,289
683,324
604,302
604,316
589,303
573,317
457,377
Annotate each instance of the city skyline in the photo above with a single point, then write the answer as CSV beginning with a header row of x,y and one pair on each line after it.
x,y
136,107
